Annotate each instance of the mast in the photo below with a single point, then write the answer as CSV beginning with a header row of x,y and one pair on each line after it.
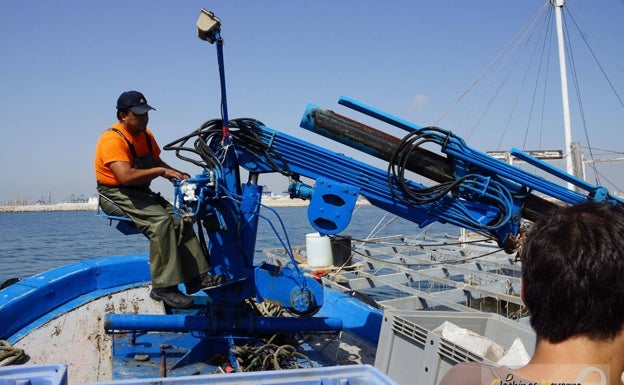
x,y
558,4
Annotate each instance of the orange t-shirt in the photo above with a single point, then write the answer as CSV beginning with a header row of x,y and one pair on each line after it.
x,y
111,147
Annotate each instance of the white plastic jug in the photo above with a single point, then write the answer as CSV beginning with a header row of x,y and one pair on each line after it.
x,y
318,250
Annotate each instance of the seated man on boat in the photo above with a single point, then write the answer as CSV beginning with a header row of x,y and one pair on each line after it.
x,y
127,159
573,287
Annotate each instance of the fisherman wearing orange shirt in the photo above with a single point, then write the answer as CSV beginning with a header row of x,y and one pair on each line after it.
x,y
127,159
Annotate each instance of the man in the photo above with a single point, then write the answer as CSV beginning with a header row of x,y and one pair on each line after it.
x,y
573,286
127,159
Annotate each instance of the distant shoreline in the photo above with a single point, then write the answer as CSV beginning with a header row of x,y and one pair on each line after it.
x,y
51,207
278,202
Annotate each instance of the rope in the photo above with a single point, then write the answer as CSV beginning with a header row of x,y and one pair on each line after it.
x,y
269,356
266,308
9,355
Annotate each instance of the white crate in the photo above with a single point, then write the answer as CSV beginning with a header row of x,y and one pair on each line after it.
x,y
410,353
53,374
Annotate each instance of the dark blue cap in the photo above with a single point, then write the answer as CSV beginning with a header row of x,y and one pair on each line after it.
x,y
133,101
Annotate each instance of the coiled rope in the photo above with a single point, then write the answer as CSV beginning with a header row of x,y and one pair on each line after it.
x,y
269,356
9,355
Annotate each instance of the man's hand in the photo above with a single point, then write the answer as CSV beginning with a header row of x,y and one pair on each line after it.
x,y
172,174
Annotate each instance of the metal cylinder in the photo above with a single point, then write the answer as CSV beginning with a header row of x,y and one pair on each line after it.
x,y
374,142
381,145
244,324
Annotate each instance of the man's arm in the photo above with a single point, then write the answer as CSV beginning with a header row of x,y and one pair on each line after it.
x,y
130,176
170,172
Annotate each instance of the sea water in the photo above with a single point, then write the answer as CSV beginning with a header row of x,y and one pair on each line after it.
x,y
33,242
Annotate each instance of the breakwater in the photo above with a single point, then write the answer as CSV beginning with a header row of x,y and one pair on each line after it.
x,y
52,207
271,202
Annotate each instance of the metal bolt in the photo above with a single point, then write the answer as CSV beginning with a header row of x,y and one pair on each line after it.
x,y
163,360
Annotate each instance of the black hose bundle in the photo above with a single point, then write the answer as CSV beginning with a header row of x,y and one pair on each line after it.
x,y
206,144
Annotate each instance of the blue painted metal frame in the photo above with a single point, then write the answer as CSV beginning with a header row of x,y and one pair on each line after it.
x,y
232,246
597,193
244,325
456,148
331,205
125,225
318,163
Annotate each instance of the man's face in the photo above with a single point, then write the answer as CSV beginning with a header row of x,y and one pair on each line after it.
x,y
135,123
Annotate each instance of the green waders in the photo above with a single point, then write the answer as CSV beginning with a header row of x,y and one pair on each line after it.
x,y
173,259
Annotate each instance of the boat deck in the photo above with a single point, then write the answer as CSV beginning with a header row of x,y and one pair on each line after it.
x,y
78,338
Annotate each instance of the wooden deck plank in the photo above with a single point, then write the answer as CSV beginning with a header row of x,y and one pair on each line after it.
x,y
78,337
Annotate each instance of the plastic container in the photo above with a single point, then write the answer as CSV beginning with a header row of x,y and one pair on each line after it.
x,y
334,375
55,374
411,353
341,250
318,250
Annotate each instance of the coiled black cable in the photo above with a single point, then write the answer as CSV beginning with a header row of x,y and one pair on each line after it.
x,y
207,143
495,194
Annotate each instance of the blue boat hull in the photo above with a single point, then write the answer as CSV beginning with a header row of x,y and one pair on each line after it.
x,y
46,296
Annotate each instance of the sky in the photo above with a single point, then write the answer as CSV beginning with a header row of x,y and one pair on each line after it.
x,y
63,65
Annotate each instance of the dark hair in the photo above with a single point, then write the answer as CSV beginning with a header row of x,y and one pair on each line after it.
x,y
573,272
124,110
